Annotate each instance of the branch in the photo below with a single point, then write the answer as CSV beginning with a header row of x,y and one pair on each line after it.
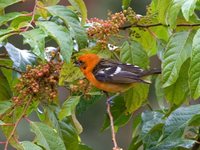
x,y
112,121
17,123
158,24
33,16
11,68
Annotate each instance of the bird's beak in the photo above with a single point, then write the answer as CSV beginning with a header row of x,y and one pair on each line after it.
x,y
77,63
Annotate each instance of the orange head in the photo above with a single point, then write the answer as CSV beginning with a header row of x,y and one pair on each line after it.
x,y
87,62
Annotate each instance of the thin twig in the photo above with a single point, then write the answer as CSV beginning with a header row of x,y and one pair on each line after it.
x,y
33,16
17,123
157,24
11,68
112,123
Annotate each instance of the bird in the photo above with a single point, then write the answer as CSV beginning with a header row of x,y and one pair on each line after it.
x,y
112,76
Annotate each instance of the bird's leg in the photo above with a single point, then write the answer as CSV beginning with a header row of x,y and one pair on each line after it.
x,y
108,102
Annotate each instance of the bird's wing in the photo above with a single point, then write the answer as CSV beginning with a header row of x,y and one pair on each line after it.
x,y
116,72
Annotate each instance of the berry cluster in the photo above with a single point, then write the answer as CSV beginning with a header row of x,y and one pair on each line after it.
x,y
81,87
103,29
40,82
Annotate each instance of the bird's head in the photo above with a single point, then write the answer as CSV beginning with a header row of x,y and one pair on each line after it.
x,y
87,62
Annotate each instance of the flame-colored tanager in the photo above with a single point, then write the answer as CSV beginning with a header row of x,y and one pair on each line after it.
x,y
112,76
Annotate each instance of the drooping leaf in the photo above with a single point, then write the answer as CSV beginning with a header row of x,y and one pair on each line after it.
x,y
125,4
8,17
27,145
178,50
5,91
69,73
4,106
80,6
188,8
68,107
178,92
47,137
71,20
36,39
194,73
61,35
134,53
20,58
5,3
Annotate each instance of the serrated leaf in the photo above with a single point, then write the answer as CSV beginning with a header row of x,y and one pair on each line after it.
x,y
20,58
118,111
68,107
61,35
47,137
27,145
125,4
8,17
4,106
194,73
178,50
71,20
5,3
36,39
69,73
188,8
80,6
134,53
178,92
136,96
5,92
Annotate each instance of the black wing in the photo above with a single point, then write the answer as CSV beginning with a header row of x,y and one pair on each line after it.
x,y
116,72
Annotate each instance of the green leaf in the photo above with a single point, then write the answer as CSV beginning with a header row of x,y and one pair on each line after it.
x,y
4,106
47,137
9,16
5,3
194,72
68,107
79,5
71,19
5,31
180,118
20,58
61,35
145,38
5,93
178,92
27,145
36,39
69,73
69,134
173,11
188,8
134,53
136,96
118,111
50,2
162,7
178,50
125,4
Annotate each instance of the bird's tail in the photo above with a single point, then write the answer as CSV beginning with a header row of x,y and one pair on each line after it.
x,y
151,72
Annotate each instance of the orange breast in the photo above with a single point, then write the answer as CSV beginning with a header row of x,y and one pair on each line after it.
x,y
105,86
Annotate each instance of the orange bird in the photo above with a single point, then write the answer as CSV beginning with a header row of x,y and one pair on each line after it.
x,y
112,76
